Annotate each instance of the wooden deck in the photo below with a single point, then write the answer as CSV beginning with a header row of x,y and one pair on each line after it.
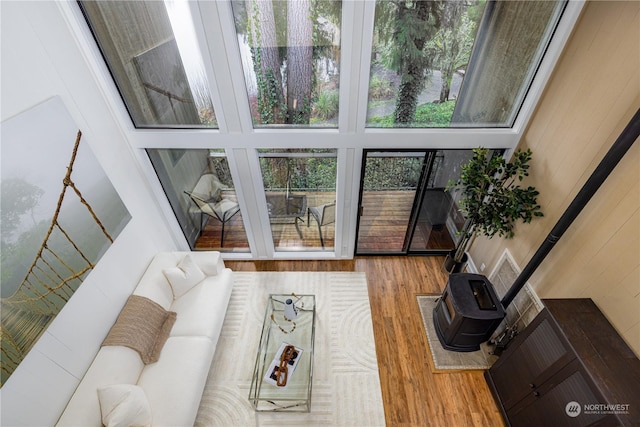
x,y
384,221
412,394
383,225
284,235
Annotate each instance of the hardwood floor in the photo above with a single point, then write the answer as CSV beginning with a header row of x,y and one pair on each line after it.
x,y
412,394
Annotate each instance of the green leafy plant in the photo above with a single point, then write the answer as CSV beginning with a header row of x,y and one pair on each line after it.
x,y
379,88
491,197
326,107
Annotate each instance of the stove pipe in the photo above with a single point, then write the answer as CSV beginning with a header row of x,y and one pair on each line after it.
x,y
606,166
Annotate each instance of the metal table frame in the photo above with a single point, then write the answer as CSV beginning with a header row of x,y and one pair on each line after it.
x,y
287,208
296,396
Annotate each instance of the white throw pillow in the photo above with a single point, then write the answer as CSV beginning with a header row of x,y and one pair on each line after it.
x,y
124,405
209,265
184,276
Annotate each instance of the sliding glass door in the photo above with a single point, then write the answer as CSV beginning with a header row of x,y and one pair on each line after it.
x,y
436,218
388,189
404,203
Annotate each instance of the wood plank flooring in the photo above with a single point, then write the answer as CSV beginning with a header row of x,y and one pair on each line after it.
x,y
383,225
412,395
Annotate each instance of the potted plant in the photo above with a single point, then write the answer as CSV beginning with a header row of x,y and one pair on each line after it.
x,y
491,199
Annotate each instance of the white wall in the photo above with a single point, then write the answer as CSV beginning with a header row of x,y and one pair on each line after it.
x,y
39,60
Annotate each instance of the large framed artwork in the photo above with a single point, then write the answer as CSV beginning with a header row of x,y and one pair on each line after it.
x,y
59,215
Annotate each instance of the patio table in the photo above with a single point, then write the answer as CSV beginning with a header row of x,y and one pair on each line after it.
x,y
286,208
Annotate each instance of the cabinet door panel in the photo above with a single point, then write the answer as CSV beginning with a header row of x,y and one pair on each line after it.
x,y
531,359
547,405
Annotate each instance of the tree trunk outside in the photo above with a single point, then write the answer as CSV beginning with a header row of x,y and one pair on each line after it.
x,y
414,63
267,61
453,13
299,61
447,76
407,99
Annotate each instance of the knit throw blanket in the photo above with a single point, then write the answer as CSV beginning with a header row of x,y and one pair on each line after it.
x,y
142,325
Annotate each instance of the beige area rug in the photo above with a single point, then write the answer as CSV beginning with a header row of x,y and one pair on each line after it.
x,y
446,360
346,385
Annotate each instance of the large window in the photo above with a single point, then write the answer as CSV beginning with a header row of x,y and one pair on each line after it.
x,y
300,192
290,57
202,194
465,63
433,63
153,56
300,198
312,100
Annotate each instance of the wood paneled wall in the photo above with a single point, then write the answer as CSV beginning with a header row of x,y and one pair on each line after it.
x,y
593,93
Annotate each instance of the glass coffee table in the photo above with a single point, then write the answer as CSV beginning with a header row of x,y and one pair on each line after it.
x,y
289,390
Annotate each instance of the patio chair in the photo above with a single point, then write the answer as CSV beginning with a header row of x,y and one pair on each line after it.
x,y
222,210
324,215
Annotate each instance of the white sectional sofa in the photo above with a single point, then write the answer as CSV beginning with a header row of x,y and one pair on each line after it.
x,y
120,389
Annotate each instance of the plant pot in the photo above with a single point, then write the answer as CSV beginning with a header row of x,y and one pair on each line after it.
x,y
452,266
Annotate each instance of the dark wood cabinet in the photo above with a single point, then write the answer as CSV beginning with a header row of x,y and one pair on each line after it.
x,y
569,367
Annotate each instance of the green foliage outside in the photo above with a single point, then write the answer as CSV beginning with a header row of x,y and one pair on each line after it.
x,y
319,173
411,40
326,106
285,57
379,88
432,115
383,173
299,174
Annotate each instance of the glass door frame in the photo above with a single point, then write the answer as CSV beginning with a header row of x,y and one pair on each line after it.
x,y
422,186
415,208
423,182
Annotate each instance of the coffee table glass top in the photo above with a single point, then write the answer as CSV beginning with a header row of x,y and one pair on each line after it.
x,y
278,333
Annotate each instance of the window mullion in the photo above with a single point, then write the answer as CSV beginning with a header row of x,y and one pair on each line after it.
x,y
225,58
213,71
357,34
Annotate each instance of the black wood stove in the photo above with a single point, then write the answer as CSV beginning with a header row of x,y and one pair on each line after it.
x,y
468,312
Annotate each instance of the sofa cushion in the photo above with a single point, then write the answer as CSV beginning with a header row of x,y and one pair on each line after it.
x,y
142,325
155,286
112,365
184,276
124,405
175,384
201,311
210,262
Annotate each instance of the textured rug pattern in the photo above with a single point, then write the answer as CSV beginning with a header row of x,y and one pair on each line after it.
x,y
346,386
445,359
